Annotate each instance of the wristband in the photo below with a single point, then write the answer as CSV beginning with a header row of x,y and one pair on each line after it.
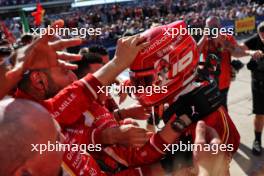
x,y
178,125
117,111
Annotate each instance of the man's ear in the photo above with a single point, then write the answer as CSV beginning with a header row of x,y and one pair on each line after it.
x,y
39,80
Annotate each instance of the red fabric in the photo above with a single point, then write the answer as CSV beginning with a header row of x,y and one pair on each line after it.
x,y
63,109
8,34
128,156
82,119
110,104
226,69
222,123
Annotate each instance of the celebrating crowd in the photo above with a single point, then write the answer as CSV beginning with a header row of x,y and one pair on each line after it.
x,y
118,20
51,97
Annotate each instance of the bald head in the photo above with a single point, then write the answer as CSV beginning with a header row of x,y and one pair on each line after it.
x,y
213,22
260,30
22,123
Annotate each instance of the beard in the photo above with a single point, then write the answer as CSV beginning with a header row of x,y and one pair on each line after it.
x,y
52,88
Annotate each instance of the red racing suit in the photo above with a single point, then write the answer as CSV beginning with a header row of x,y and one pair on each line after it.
x,y
219,120
82,120
222,123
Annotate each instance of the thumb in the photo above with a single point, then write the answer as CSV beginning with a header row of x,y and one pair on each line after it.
x,y
200,133
14,73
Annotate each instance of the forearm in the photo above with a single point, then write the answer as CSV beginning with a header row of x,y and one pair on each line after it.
x,y
250,52
238,52
109,72
7,84
241,50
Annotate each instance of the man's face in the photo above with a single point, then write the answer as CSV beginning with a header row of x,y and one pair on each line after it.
x,y
59,78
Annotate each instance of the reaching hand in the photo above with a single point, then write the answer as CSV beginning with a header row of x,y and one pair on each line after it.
x,y
126,51
128,48
130,135
257,55
208,163
44,54
136,111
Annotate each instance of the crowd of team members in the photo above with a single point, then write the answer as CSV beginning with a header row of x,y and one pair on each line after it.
x,y
39,72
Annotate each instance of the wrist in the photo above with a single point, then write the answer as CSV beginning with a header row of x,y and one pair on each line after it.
x,y
168,134
181,123
119,63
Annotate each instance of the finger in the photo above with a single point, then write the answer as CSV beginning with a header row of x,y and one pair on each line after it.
x,y
141,130
212,133
128,39
200,133
216,141
140,40
142,46
57,24
213,136
125,38
65,43
135,124
68,57
49,34
135,40
67,65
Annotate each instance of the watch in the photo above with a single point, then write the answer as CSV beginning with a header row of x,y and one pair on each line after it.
x,y
178,125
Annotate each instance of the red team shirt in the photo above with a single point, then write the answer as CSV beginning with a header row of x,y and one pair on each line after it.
x,y
226,70
82,120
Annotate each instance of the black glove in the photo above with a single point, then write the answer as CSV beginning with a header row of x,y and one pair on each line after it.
x,y
256,65
196,105
237,64
252,65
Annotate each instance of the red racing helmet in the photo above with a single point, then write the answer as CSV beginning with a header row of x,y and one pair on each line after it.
x,y
166,66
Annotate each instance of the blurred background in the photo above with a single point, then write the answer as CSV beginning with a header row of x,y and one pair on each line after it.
x,y
119,17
